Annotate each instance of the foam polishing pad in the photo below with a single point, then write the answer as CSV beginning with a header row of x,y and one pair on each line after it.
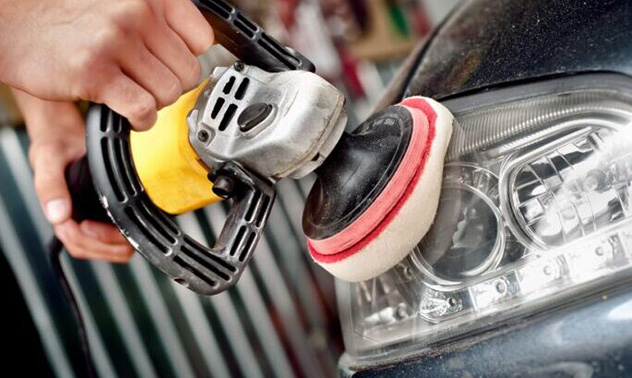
x,y
377,194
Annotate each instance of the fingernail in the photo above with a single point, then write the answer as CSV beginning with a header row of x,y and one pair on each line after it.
x,y
85,227
57,210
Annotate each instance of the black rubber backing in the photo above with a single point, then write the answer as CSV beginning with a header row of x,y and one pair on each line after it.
x,y
356,172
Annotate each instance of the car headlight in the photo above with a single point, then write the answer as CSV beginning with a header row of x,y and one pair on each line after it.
x,y
535,212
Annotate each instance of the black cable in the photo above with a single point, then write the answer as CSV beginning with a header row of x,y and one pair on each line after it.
x,y
55,247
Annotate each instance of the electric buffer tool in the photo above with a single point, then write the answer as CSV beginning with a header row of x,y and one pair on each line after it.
x,y
266,118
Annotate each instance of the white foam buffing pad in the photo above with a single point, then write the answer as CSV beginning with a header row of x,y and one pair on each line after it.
x,y
405,209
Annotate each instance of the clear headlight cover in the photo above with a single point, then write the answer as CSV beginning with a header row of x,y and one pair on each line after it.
x,y
535,211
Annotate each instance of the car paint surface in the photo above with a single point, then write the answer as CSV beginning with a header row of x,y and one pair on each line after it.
x,y
487,43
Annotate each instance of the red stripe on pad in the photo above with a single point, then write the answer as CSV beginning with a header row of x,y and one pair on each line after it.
x,y
384,209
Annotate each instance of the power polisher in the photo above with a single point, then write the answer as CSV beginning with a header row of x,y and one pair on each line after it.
x,y
265,118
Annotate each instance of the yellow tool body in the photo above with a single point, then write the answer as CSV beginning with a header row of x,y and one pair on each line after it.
x,y
171,172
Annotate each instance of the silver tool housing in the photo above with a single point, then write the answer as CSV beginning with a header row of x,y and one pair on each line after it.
x,y
277,125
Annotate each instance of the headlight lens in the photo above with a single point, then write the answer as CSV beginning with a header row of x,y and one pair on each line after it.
x,y
535,211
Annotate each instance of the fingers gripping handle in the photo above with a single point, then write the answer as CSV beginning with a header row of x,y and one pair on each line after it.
x,y
155,234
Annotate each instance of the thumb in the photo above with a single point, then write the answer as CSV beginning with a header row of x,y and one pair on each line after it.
x,y
49,164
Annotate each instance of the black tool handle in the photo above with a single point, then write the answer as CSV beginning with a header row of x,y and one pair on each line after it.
x,y
248,41
155,234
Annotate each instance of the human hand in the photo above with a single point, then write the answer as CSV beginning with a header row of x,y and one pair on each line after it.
x,y
136,56
57,135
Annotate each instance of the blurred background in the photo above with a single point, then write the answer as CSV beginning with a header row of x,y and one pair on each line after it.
x,y
281,318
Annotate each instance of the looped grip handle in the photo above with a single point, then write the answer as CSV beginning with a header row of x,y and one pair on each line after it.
x,y
248,41
154,233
